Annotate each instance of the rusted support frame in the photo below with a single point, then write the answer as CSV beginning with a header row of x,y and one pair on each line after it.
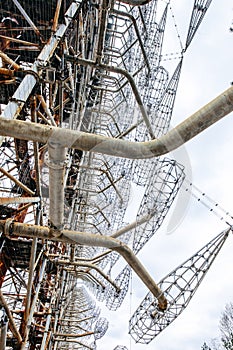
x,y
185,131
71,323
12,324
100,210
25,15
32,266
36,152
30,279
105,112
131,128
7,72
17,182
3,335
25,88
112,182
104,9
88,239
56,16
76,320
8,60
46,109
19,41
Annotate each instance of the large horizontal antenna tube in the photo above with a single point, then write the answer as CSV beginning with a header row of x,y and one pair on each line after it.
x,y
88,239
185,131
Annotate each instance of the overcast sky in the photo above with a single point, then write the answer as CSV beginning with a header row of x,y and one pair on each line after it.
x,y
207,72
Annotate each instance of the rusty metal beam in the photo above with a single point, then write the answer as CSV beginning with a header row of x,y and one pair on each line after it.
x,y
17,182
134,224
8,60
12,324
72,335
17,200
46,109
56,16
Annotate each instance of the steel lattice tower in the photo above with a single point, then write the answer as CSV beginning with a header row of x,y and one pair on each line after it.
x,y
87,90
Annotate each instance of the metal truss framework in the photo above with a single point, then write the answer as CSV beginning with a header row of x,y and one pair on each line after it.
x,y
87,91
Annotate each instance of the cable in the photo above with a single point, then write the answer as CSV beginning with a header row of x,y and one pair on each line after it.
x,y
209,203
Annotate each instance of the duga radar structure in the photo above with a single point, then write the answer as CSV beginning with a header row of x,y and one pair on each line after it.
x,y
87,90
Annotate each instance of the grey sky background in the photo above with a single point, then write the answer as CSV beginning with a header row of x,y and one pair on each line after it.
x,y
207,71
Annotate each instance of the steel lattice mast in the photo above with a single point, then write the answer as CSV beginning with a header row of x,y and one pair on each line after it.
x,y
87,90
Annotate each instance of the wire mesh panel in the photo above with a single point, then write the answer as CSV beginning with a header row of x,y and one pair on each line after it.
x,y
165,183
179,287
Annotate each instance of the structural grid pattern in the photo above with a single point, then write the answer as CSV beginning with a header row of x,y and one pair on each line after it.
x,y
105,69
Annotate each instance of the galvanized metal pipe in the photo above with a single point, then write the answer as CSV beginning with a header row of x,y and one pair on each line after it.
x,y
134,224
104,8
89,239
56,164
189,128
46,330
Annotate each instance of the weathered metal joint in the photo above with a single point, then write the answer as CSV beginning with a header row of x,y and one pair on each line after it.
x,y
54,231
8,227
